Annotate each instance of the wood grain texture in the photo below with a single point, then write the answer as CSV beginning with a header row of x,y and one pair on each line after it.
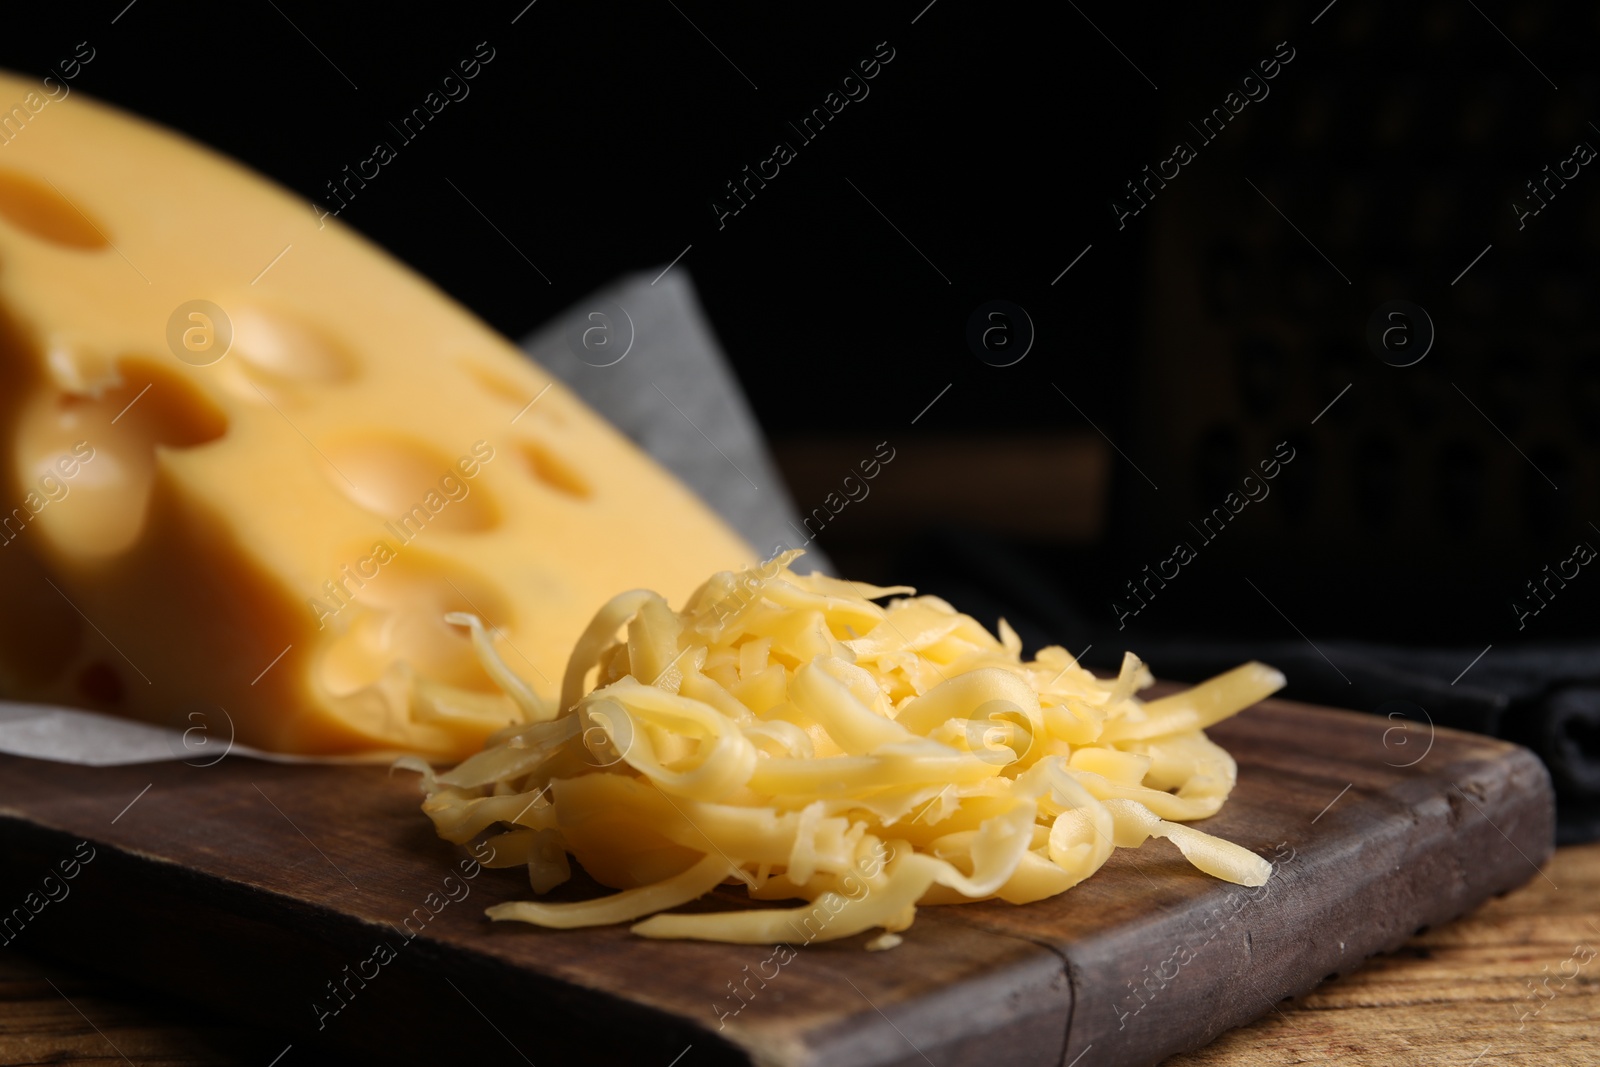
x,y
247,888
1471,987
1164,959
1488,985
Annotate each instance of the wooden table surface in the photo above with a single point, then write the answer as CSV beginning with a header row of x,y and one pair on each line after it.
x,y
1517,981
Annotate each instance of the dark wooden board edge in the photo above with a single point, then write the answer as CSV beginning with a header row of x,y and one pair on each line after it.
x,y
226,947
1048,1006
1415,867
244,952
1019,1016
1417,849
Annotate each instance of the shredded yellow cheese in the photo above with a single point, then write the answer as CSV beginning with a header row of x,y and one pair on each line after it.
x,y
789,733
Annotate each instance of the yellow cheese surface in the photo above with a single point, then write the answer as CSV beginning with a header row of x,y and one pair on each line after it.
x,y
278,533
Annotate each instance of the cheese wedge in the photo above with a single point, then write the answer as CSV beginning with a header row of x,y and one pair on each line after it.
x,y
249,463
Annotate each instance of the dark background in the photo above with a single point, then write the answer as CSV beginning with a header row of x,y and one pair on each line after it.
x,y
1224,325
1206,330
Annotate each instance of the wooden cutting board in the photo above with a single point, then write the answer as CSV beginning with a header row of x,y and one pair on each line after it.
x,y
265,891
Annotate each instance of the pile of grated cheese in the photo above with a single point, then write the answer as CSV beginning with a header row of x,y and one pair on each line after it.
x,y
788,733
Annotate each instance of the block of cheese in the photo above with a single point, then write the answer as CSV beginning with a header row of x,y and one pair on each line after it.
x,y
249,463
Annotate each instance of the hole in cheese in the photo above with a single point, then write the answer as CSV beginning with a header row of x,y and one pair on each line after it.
x,y
276,344
398,616
512,391
412,485
498,385
110,445
37,208
554,471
